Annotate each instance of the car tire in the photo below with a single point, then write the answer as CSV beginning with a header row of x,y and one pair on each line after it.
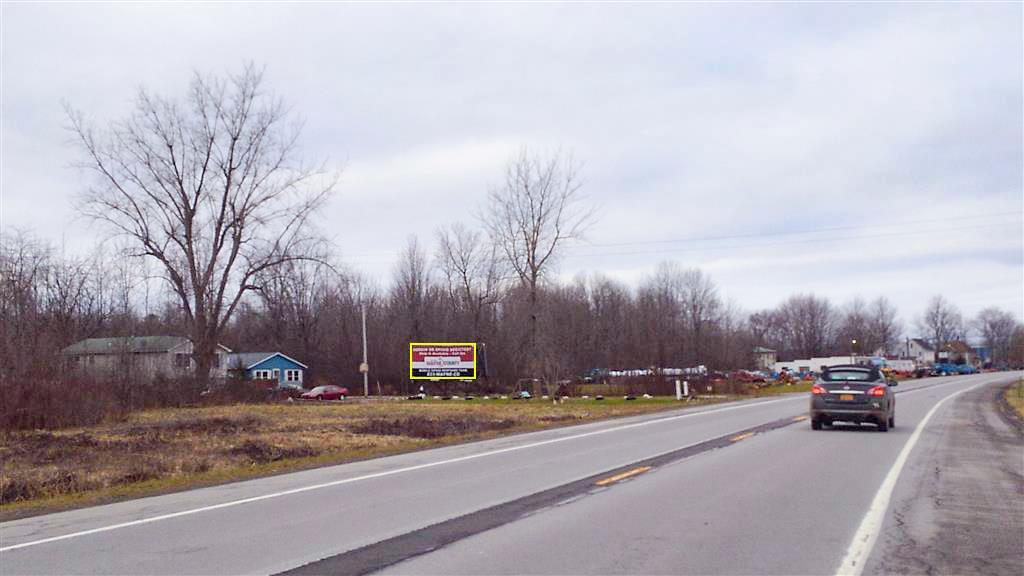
x,y
892,421
815,424
320,397
883,427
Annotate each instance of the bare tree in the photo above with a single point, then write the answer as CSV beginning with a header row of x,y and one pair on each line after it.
x,y
472,271
854,327
701,307
530,217
409,293
809,325
883,324
996,327
210,188
942,322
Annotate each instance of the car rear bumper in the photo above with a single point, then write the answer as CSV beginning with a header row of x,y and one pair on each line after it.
x,y
875,415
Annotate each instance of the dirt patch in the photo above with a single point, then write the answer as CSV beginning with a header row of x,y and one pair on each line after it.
x,y
426,427
560,418
260,452
141,470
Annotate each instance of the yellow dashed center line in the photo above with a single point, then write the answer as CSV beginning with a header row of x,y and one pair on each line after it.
x,y
741,437
623,476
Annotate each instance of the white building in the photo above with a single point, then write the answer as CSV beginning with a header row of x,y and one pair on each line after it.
x,y
918,350
819,364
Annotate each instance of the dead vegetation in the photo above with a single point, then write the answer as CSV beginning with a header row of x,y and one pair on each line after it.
x,y
158,449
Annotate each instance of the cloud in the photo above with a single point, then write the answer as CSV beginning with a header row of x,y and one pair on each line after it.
x,y
690,121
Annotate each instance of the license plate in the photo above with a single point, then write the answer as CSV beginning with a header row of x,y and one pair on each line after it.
x,y
846,397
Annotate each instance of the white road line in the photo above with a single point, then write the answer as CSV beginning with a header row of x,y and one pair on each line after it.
x,y
867,534
382,474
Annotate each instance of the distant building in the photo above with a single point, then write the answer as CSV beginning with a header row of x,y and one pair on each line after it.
x,y
920,351
958,352
285,370
144,357
764,358
818,364
983,354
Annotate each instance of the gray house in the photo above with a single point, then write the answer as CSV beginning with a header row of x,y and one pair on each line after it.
x,y
139,356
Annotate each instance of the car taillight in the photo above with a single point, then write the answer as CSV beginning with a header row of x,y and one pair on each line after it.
x,y
816,389
877,391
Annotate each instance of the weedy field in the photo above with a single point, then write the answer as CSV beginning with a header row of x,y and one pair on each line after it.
x,y
172,449
1015,397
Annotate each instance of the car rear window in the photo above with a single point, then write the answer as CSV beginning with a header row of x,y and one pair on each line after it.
x,y
846,376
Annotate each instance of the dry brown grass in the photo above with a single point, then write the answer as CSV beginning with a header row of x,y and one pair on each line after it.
x,y
167,449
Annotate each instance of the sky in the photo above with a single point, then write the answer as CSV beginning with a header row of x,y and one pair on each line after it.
x,y
837,149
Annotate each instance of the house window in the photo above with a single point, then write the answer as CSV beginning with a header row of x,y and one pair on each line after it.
x,y
277,374
293,376
216,360
261,374
181,360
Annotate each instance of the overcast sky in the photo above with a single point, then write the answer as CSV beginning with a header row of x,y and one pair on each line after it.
x,y
900,124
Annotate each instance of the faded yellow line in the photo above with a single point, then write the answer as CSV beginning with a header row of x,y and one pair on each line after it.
x,y
623,476
799,418
741,437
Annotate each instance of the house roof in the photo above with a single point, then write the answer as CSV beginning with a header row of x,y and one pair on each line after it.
x,y
249,360
125,344
922,343
128,345
959,347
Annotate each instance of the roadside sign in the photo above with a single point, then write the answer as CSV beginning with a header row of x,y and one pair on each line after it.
x,y
364,367
442,360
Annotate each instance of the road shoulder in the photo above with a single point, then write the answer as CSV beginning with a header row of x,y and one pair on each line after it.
x,y
959,510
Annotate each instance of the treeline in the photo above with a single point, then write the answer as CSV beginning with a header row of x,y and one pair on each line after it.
x,y
457,290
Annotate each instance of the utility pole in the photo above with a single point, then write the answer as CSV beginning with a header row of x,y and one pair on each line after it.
x,y
365,368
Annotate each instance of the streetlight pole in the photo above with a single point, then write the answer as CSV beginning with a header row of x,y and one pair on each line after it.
x,y
852,344
365,371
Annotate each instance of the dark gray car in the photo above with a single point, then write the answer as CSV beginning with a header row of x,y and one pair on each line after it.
x,y
853,393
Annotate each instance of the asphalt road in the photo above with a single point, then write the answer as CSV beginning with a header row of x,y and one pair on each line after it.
x,y
732,489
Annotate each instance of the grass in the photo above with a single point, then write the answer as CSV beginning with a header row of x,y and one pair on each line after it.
x,y
165,450
1015,397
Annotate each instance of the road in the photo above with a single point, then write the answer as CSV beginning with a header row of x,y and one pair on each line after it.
x,y
743,488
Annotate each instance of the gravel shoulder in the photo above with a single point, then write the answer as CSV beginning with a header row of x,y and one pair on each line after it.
x,y
959,506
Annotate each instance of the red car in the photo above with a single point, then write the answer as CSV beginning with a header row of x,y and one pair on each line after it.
x,y
326,393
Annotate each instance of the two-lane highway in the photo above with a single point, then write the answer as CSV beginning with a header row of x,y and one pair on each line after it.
x,y
709,497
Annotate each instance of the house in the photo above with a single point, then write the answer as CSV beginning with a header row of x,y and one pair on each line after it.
x,y
145,357
958,352
764,358
285,370
920,351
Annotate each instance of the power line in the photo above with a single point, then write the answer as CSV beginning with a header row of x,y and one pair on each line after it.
x,y
770,244
799,232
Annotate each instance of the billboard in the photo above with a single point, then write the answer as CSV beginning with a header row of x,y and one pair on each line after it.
x,y
442,360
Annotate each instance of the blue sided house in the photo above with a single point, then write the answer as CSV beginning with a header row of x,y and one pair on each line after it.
x,y
269,366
